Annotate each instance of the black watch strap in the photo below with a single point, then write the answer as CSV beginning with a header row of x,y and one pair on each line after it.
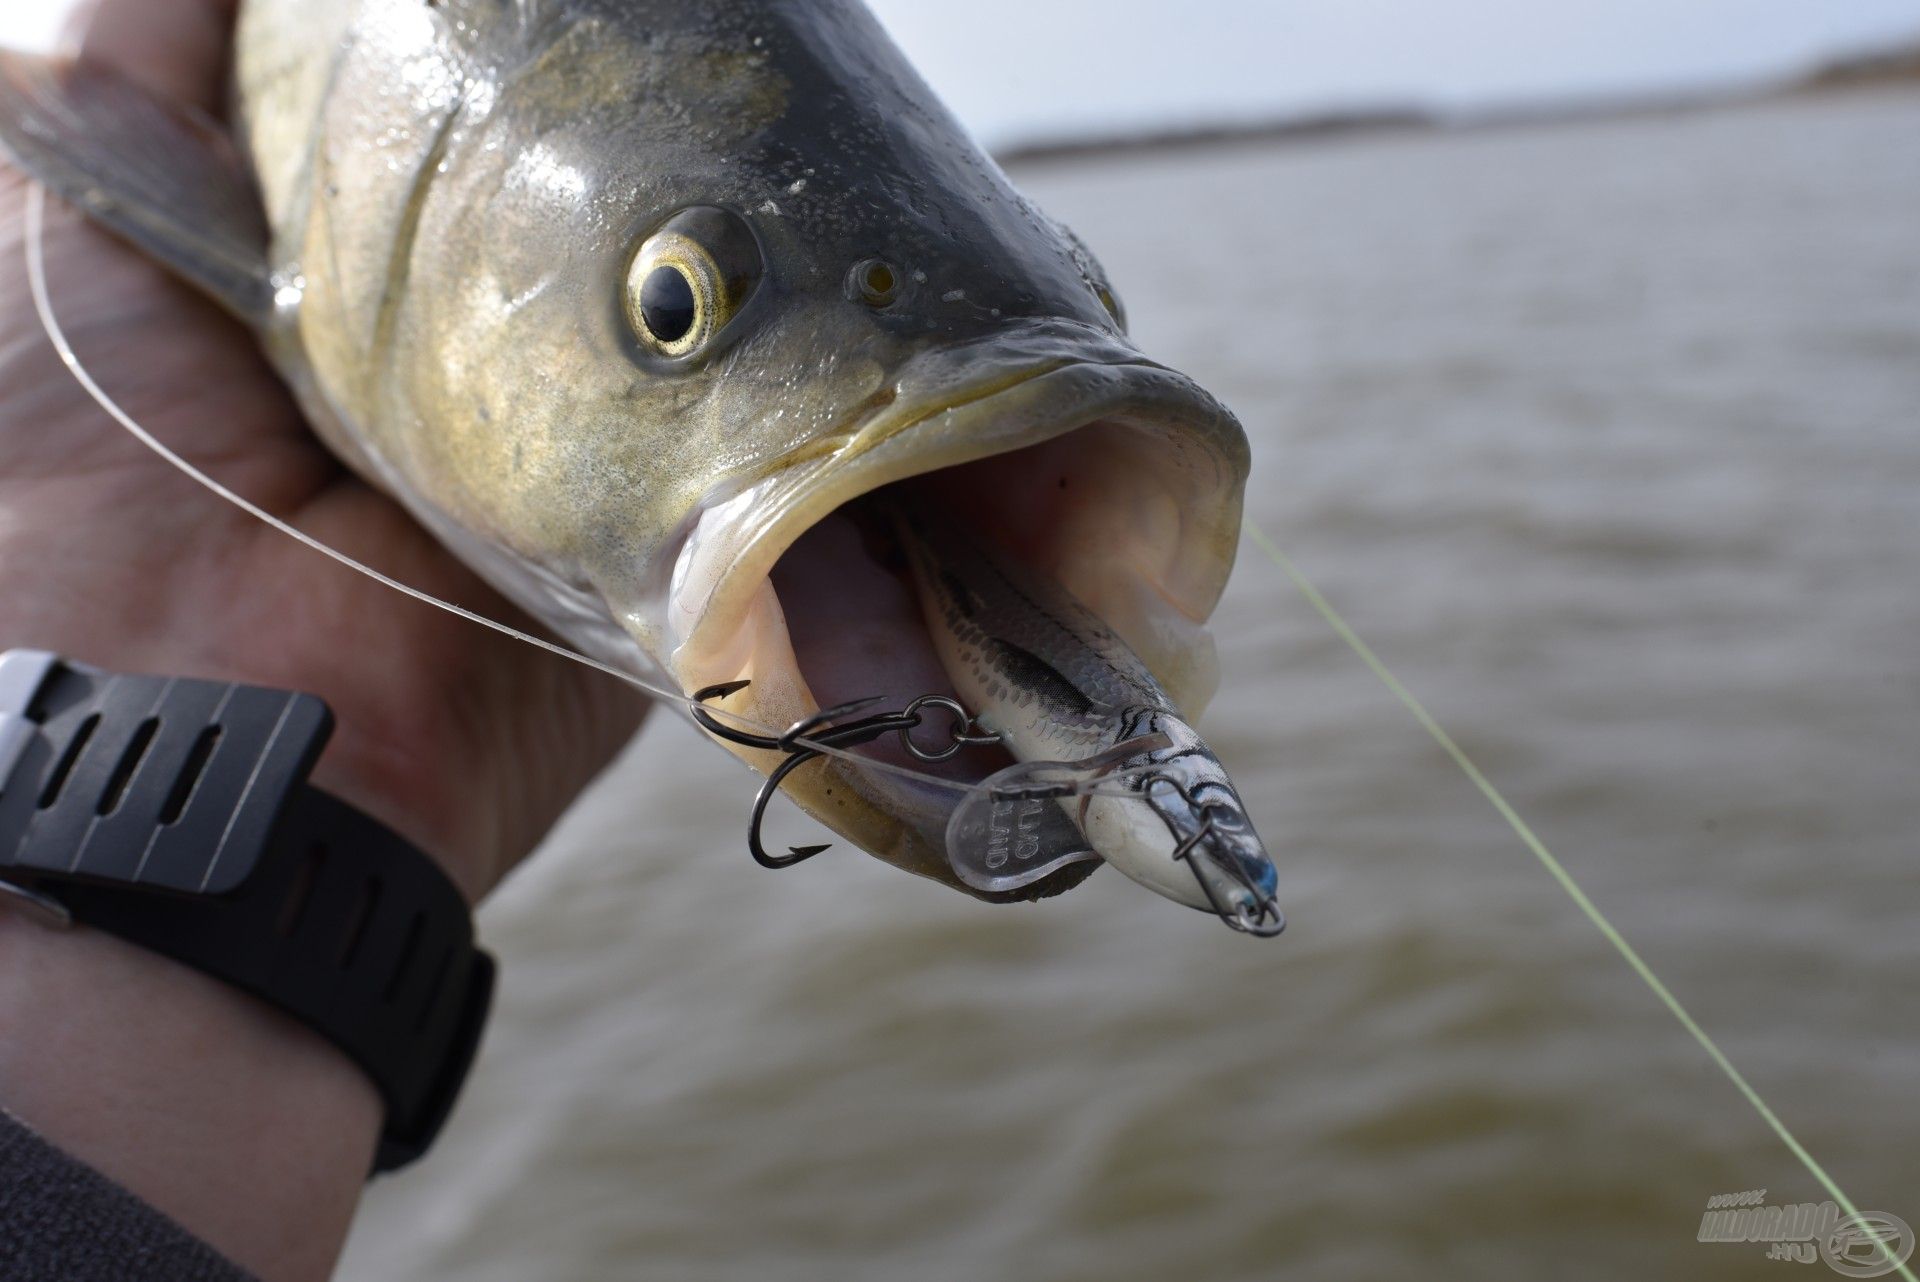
x,y
176,815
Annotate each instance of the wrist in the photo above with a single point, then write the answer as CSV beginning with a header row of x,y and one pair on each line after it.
x,y
174,814
208,1104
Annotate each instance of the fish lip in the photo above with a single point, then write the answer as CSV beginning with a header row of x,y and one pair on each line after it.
x,y
887,444
720,593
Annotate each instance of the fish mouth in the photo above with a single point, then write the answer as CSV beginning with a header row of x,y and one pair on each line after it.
x,y
1118,478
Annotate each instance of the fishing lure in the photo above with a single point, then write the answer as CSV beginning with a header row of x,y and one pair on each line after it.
x,y
999,838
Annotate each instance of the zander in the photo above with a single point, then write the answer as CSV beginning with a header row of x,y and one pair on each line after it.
x,y
643,307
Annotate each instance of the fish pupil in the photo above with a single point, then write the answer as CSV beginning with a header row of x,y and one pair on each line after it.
x,y
667,304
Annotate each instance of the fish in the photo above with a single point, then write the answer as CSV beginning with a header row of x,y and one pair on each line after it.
x,y
642,307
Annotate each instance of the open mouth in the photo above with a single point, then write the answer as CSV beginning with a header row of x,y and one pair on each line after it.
x,y
1119,482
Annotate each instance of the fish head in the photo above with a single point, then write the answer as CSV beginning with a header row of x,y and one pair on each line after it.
x,y
697,280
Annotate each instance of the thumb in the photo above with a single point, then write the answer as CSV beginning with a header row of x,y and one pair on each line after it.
x,y
174,49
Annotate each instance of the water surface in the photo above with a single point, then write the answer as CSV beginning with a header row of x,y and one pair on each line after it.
x,y
1604,435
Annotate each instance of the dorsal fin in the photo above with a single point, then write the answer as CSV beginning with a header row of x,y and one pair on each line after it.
x,y
163,176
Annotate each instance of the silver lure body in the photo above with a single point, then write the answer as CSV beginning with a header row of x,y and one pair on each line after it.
x,y
1060,686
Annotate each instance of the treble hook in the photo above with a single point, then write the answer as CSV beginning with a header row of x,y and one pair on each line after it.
x,y
805,740
1264,923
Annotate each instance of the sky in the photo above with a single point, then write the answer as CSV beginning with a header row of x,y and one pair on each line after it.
x,y
1024,70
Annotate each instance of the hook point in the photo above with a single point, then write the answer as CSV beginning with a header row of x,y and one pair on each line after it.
x,y
720,691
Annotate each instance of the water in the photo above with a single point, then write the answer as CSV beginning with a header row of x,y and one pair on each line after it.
x,y
1604,436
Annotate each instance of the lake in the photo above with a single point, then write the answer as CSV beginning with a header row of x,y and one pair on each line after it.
x,y
1604,435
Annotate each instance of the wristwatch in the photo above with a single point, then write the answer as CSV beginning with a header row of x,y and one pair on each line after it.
x,y
176,814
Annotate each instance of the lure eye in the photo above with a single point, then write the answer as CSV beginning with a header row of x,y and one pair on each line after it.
x,y
690,279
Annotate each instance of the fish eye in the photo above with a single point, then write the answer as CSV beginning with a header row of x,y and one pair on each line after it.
x,y
1111,301
690,278
874,281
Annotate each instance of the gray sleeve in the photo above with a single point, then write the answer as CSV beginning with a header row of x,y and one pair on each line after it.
x,y
64,1222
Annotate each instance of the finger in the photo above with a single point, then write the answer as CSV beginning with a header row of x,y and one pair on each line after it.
x,y
175,49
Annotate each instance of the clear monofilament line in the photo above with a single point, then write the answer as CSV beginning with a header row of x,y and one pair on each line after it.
x,y
43,305
56,334
1557,870
36,275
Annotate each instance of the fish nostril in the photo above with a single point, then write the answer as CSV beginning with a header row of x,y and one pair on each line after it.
x,y
875,282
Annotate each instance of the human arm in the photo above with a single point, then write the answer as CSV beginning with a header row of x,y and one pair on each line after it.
x,y
245,1127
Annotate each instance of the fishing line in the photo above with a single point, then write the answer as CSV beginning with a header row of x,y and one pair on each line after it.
x,y
56,334
43,305
37,282
1553,866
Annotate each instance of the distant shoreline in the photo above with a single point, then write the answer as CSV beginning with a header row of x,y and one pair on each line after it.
x,y
1898,65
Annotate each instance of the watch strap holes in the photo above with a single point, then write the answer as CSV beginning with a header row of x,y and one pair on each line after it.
x,y
68,759
130,759
358,920
430,1001
295,907
190,773
402,968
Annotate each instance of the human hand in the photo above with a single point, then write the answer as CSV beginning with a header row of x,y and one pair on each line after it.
x,y
243,1126
467,742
